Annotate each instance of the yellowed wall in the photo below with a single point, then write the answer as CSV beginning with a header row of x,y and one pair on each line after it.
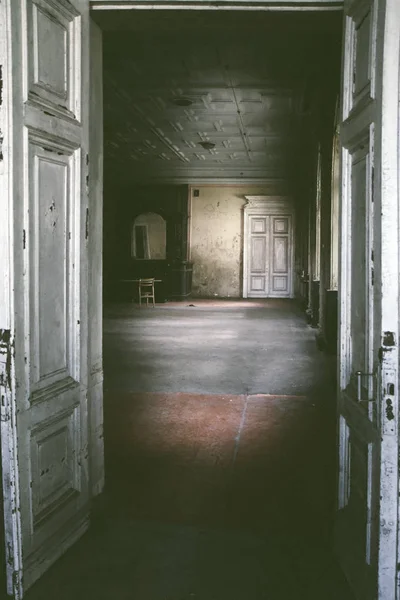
x,y
216,234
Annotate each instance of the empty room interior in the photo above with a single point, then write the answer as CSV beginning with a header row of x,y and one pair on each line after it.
x,y
221,185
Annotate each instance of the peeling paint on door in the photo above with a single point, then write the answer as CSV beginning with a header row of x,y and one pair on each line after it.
x,y
5,359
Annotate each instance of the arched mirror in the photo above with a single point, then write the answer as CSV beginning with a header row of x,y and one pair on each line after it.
x,y
149,237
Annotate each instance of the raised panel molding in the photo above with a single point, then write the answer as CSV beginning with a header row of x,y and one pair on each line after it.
x,y
54,464
361,23
281,226
258,254
52,265
54,69
280,284
50,68
258,225
258,283
51,391
280,254
358,164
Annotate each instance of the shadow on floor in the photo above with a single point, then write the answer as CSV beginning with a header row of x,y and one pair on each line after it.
x,y
209,497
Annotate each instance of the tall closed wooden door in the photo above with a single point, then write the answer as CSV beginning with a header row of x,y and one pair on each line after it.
x,y
269,256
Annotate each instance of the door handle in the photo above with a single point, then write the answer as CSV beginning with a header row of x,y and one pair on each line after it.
x,y
360,380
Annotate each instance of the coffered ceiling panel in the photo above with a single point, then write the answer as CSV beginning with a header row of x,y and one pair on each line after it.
x,y
189,103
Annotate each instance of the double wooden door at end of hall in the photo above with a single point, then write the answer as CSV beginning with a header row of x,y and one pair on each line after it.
x,y
269,256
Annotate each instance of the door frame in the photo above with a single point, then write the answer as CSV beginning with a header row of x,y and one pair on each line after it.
x,y
224,5
8,409
267,206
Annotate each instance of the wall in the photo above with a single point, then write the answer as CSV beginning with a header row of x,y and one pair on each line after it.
x,y
122,204
216,234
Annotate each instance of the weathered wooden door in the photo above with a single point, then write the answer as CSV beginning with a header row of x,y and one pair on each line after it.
x,y
268,248
44,290
367,520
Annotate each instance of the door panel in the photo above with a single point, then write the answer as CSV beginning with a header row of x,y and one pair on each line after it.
x,y
258,284
51,256
258,254
280,255
279,284
366,524
53,75
281,225
361,173
45,411
258,225
361,53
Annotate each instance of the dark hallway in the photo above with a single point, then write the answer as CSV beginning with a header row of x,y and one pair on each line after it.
x,y
211,495
200,300
219,415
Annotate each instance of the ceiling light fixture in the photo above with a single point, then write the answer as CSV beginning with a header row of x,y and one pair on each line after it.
x,y
207,145
182,101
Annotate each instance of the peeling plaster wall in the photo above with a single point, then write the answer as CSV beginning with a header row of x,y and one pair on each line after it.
x,y
216,237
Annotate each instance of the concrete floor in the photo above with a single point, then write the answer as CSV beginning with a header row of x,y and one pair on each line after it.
x,y
212,348
220,453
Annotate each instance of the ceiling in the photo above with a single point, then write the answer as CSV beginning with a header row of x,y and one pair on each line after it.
x,y
250,83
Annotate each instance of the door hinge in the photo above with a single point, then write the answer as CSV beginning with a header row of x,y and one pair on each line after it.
x,y
23,239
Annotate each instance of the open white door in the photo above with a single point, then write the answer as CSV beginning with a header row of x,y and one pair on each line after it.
x,y
367,518
44,229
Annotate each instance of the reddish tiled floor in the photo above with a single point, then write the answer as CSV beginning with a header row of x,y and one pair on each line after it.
x,y
170,455
209,497
213,459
